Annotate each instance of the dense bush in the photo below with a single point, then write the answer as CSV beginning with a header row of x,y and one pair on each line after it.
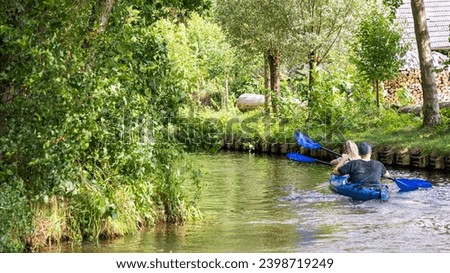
x,y
15,216
84,110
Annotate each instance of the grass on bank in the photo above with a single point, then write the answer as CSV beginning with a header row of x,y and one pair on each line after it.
x,y
407,131
425,139
388,128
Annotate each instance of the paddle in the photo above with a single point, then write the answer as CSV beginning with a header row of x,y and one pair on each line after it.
x,y
305,159
411,184
305,141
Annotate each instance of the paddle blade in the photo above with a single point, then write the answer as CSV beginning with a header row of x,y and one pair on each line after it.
x,y
305,141
305,159
300,158
423,184
411,184
419,182
405,185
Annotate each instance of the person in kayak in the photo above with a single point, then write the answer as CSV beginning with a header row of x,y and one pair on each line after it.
x,y
365,171
350,153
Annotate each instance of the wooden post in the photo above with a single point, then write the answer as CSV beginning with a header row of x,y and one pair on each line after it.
x,y
403,157
439,163
284,148
265,147
423,161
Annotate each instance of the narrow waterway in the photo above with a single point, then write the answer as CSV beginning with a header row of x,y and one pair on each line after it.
x,y
257,203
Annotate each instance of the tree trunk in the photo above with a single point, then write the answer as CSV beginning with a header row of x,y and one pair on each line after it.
x,y
106,14
266,71
377,91
227,95
267,93
274,65
312,66
100,12
429,89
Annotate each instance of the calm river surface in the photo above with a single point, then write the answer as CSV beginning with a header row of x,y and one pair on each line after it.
x,y
256,203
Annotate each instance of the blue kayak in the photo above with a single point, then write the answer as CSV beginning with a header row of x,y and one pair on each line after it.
x,y
340,184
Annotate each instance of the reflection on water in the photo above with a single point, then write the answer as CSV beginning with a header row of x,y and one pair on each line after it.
x,y
270,204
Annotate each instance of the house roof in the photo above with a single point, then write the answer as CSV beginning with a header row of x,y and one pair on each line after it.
x,y
438,22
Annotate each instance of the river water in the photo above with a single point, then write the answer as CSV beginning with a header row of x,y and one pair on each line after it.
x,y
259,203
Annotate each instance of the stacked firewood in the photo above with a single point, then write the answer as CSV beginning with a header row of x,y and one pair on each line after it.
x,y
409,80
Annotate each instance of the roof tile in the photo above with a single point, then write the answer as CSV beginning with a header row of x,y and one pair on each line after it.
x,y
438,22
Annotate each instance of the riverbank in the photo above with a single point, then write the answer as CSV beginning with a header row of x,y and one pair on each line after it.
x,y
398,138
413,147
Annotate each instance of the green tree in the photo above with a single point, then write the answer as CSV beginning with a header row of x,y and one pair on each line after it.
x,y
378,49
318,26
393,5
295,30
260,28
200,56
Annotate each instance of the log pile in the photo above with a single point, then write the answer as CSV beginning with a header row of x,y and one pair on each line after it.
x,y
409,80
